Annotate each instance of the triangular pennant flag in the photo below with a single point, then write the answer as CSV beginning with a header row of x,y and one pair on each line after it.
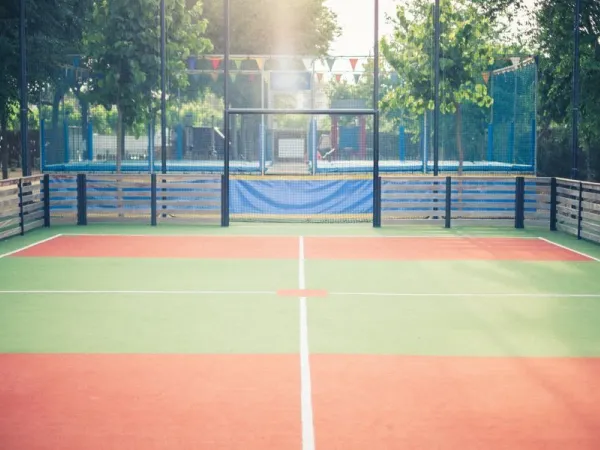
x,y
237,63
486,77
251,77
357,77
308,62
353,62
233,76
320,76
515,60
214,76
191,63
261,63
338,77
216,62
330,62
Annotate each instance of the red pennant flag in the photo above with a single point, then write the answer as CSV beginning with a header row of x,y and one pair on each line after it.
x,y
338,77
216,62
353,62
320,76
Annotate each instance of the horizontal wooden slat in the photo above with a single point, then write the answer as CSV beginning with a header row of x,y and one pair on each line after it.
x,y
9,212
420,205
167,203
483,205
194,186
28,218
115,201
186,195
10,232
9,192
567,202
65,202
483,214
33,225
33,207
175,211
10,222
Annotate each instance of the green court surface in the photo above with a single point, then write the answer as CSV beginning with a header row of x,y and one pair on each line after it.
x,y
349,329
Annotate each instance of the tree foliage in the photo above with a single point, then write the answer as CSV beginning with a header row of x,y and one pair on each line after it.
x,y
466,52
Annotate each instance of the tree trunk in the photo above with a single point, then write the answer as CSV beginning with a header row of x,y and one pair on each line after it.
x,y
3,143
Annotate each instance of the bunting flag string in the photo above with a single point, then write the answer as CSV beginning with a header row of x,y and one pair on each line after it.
x,y
353,62
261,63
330,63
357,77
486,77
308,63
216,62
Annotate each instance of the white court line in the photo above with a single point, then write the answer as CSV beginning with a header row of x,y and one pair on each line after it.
x,y
570,249
488,295
308,433
310,236
4,255
134,292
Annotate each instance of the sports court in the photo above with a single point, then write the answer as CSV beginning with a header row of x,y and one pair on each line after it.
x,y
298,336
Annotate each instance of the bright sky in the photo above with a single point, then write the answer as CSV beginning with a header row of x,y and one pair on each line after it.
x,y
355,17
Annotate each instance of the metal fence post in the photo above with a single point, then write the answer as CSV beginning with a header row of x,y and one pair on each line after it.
x,y
46,188
448,216
553,204
520,202
580,211
153,199
21,213
81,199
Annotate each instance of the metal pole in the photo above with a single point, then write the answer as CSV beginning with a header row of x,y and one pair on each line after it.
x,y
436,89
226,147
376,183
163,85
24,147
575,120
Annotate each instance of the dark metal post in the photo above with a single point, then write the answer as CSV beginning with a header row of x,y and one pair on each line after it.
x,y
448,214
24,147
436,88
553,204
21,211
163,87
580,211
520,202
376,179
153,199
226,147
575,120
46,190
81,199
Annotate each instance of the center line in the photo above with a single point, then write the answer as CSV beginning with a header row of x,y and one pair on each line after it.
x,y
308,433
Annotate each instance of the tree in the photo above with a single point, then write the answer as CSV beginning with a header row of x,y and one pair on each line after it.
x,y
54,28
556,46
466,52
123,48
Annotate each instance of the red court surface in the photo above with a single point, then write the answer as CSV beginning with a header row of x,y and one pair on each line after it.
x,y
435,249
215,247
331,248
385,402
89,402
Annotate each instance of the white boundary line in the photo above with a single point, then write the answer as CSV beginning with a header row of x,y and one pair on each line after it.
x,y
311,236
4,255
468,295
569,249
308,433
133,292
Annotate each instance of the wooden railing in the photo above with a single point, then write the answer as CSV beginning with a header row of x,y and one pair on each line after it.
x,y
560,204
